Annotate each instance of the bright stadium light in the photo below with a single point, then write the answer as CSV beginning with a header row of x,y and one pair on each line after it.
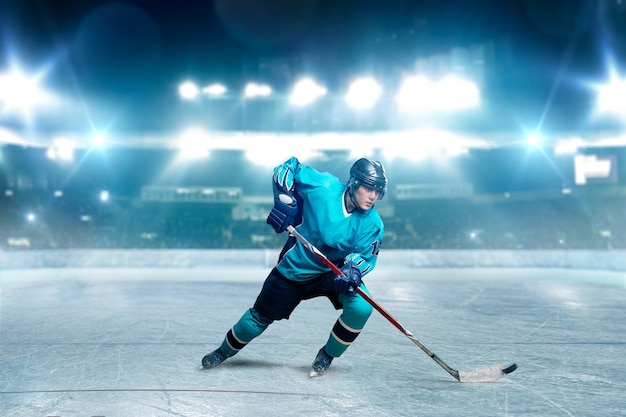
x,y
194,144
611,98
418,93
264,156
9,136
188,90
306,91
215,90
534,140
22,93
363,93
254,90
457,93
19,91
435,144
61,150
269,157
98,140
414,93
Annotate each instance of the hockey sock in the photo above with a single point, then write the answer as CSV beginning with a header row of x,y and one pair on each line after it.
x,y
340,338
356,312
249,326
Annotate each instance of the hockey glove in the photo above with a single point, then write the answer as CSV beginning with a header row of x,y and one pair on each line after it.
x,y
284,178
350,280
285,212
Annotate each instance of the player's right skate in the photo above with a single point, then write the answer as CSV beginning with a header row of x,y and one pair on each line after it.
x,y
320,364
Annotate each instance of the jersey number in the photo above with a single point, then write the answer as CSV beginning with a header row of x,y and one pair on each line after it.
x,y
375,248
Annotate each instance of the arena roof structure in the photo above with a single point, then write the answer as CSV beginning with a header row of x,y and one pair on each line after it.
x,y
143,73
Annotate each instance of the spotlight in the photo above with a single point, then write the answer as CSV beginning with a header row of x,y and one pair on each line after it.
x,y
188,90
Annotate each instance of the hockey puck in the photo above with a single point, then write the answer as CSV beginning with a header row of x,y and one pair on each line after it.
x,y
509,368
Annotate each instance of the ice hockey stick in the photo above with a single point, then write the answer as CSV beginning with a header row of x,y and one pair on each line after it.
x,y
488,374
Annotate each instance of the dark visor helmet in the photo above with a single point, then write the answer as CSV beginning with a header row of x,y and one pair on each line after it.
x,y
370,174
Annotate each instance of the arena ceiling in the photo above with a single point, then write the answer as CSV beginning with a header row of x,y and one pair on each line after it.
x,y
113,68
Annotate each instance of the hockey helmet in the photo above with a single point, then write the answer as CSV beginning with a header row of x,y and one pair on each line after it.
x,y
370,174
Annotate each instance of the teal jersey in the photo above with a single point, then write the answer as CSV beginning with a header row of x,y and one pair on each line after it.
x,y
326,223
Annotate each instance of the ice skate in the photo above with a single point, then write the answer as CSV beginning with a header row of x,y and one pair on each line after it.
x,y
213,359
320,364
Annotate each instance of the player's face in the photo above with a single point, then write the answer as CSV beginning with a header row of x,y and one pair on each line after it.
x,y
365,197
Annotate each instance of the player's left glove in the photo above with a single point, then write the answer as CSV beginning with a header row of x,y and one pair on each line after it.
x,y
350,280
285,211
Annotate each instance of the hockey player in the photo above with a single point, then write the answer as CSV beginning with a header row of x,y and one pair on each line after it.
x,y
338,218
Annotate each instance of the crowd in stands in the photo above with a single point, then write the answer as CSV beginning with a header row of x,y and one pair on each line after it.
x,y
552,223
71,222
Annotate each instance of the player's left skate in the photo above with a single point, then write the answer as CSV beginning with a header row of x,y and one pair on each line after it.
x,y
320,364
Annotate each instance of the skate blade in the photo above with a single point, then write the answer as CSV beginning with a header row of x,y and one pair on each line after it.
x,y
316,374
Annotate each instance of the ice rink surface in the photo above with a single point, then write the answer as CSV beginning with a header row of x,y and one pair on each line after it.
x,y
124,342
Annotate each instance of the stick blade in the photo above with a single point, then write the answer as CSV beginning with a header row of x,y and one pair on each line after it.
x,y
489,374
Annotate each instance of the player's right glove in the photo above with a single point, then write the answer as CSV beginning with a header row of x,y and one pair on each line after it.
x,y
351,278
285,211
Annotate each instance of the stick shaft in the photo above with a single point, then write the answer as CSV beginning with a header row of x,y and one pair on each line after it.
x,y
374,304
